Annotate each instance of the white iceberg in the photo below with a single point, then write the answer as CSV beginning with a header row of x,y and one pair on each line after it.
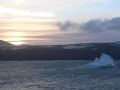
x,y
104,61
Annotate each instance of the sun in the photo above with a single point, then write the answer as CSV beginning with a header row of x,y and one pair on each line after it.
x,y
15,38
17,43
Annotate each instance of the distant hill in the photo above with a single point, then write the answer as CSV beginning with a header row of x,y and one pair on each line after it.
x,y
82,51
4,43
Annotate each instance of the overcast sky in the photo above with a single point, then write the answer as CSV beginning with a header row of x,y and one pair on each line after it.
x,y
46,22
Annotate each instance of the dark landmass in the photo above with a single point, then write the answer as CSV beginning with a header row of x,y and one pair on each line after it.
x,y
83,51
4,43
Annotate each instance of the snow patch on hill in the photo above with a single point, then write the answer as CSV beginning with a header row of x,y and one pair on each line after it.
x,y
77,46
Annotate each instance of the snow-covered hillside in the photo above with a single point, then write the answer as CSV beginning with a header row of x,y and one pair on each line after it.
x,y
80,46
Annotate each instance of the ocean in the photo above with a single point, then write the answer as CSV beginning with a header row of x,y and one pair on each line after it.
x,y
57,75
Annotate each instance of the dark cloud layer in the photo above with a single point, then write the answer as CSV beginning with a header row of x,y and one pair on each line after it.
x,y
97,25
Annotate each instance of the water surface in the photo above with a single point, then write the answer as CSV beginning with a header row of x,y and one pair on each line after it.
x,y
57,75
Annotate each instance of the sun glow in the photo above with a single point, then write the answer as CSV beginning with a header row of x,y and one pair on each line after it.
x,y
15,38
18,24
17,43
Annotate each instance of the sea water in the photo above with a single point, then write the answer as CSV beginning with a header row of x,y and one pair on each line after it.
x,y
57,75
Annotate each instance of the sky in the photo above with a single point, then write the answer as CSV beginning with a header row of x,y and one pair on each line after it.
x,y
58,22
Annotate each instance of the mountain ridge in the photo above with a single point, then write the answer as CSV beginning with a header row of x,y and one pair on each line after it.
x,y
84,51
4,43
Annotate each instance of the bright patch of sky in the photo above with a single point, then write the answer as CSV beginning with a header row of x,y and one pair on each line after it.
x,y
87,11
37,20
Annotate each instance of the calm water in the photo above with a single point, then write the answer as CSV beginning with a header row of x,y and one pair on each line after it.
x,y
57,75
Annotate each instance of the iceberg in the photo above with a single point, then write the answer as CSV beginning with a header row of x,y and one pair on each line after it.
x,y
104,61
95,62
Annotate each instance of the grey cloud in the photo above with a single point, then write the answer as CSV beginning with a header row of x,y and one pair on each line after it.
x,y
68,25
97,25
94,26
114,24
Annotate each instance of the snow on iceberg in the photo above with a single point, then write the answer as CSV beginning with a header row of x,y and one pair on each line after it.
x,y
104,61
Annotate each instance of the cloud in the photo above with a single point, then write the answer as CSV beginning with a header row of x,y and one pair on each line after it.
x,y
97,25
68,25
17,12
47,5
102,25
12,19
